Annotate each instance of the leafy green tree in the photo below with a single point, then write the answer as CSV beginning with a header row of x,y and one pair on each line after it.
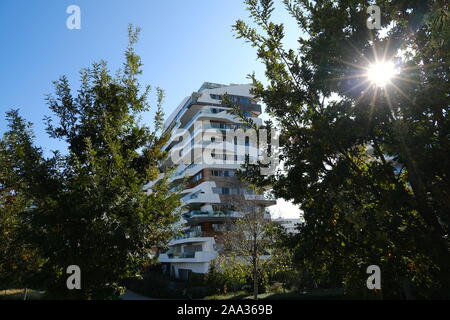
x,y
88,207
20,166
369,165
249,240
280,265
226,274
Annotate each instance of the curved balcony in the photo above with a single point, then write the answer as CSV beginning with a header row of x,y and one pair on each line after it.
x,y
198,213
194,217
198,256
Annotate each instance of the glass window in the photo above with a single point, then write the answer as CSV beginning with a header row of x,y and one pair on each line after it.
x,y
198,176
217,173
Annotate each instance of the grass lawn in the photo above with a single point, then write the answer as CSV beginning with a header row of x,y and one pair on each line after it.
x,y
18,294
318,294
230,296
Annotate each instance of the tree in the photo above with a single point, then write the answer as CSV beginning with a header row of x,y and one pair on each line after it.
x,y
226,274
97,216
280,264
19,260
250,240
368,165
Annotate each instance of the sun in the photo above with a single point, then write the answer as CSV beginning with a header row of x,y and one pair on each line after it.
x,y
381,73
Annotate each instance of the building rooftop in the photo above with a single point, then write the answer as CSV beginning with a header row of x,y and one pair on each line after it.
x,y
211,85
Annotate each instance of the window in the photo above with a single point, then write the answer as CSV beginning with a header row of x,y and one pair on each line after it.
x,y
220,125
221,190
217,173
247,141
197,177
228,173
232,98
223,207
222,173
228,191
240,99
248,191
216,97
184,274
221,227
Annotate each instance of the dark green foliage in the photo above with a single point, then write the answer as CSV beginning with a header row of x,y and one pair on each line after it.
x,y
196,279
369,166
155,284
19,259
263,281
246,244
226,275
87,207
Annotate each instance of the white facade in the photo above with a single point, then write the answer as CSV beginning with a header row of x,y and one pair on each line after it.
x,y
199,127
290,225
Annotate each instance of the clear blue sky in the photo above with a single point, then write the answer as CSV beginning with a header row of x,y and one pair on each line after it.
x,y
183,43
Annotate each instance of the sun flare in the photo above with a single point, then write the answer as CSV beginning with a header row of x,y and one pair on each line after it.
x,y
381,73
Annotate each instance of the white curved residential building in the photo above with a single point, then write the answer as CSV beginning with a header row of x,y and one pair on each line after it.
x,y
207,158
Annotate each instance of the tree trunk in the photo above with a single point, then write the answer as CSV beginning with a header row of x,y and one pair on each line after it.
x,y
435,230
407,289
255,281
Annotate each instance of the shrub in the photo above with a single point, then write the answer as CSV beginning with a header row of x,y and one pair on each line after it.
x,y
197,280
263,281
214,279
197,292
226,275
154,284
277,287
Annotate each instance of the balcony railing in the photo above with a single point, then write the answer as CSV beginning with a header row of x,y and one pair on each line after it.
x,y
260,197
181,255
190,234
199,256
198,213
210,112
